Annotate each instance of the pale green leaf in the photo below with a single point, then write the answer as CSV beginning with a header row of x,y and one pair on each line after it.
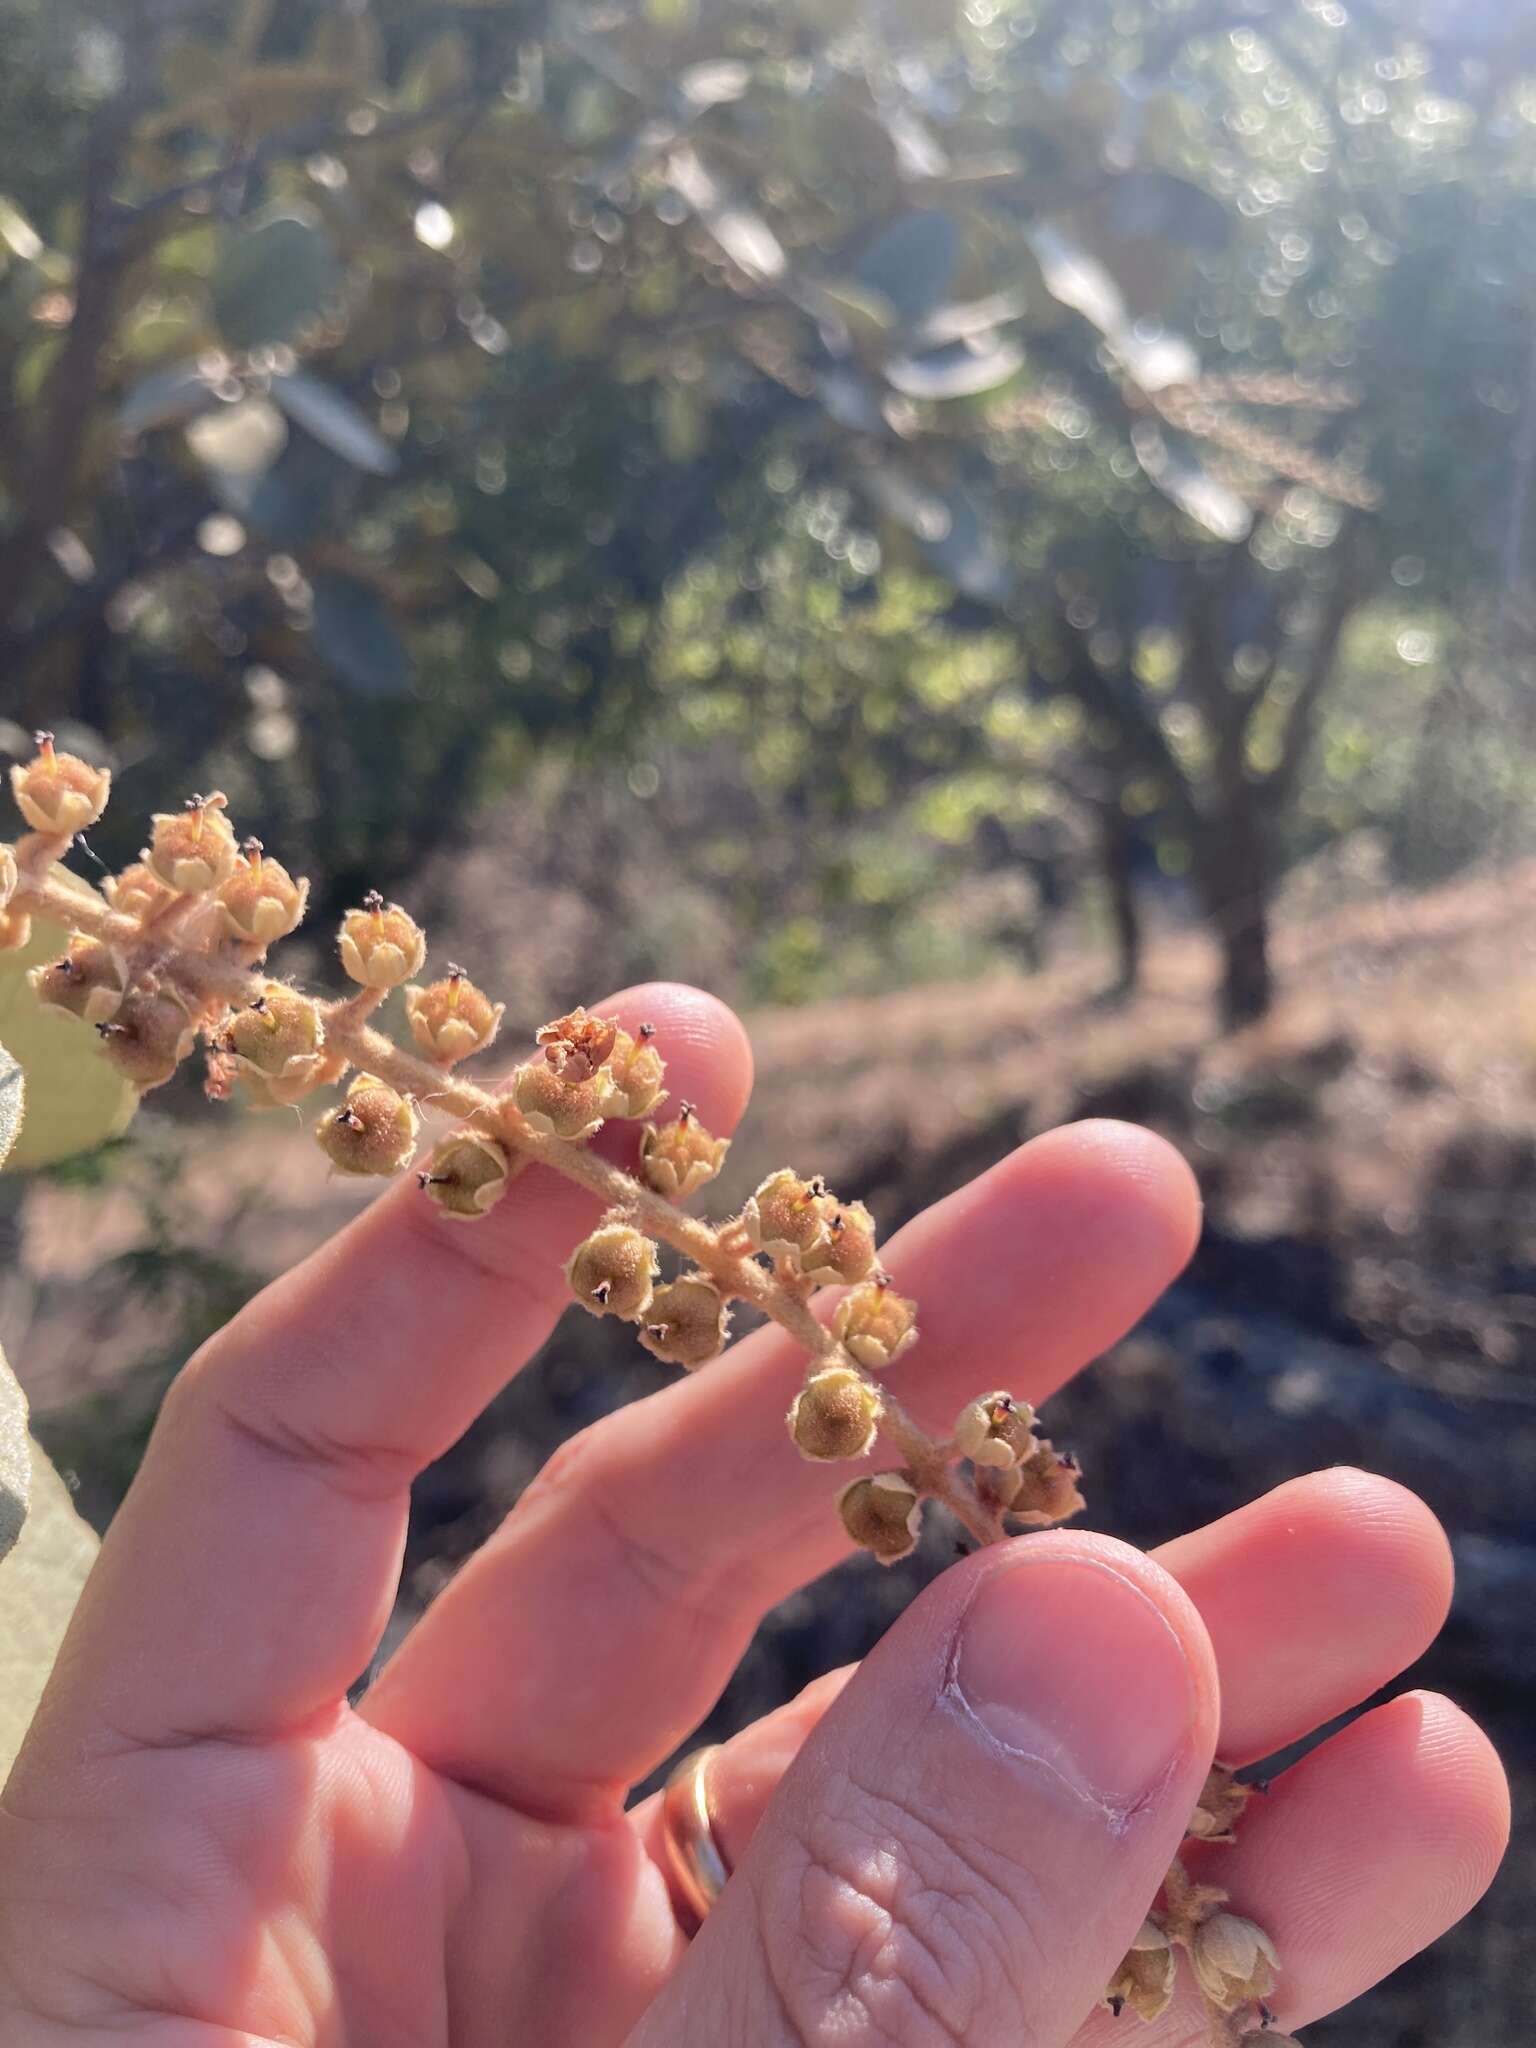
x,y
272,278
15,1459
75,1099
335,422
40,1583
13,1093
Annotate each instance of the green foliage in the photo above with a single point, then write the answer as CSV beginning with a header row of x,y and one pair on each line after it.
x,y
445,344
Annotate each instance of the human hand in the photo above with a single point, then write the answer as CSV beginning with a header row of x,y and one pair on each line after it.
x,y
204,1846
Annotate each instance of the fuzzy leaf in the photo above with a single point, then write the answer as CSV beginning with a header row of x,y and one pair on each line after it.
x,y
912,263
961,370
15,1459
40,1583
13,1095
1183,479
165,398
271,278
1077,279
335,422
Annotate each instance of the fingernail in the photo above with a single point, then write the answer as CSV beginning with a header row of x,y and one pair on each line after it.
x,y
1065,1662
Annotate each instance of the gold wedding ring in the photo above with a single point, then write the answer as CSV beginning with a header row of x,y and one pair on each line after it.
x,y
695,1863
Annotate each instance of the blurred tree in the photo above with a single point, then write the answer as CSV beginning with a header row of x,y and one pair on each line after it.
x,y
371,373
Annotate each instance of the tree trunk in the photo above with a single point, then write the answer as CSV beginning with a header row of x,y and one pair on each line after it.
x,y
1117,854
1234,876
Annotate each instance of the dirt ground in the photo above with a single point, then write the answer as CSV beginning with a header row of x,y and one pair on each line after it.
x,y
1366,1289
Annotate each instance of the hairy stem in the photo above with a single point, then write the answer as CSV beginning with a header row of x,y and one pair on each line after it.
x,y
224,981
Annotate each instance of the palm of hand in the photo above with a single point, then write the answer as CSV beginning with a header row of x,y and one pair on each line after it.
x,y
328,1887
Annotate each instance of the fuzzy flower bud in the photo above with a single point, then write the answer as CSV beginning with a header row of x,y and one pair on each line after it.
x,y
613,1273
381,945
15,930
1044,1489
883,1515
261,901
679,1158
875,1324
1234,1961
148,1037
1222,1804
835,1415
374,1130
996,1430
59,793
784,1218
1146,1979
846,1250
138,892
557,1108
87,982
686,1323
576,1046
452,1019
10,875
468,1174
193,850
635,1073
277,1044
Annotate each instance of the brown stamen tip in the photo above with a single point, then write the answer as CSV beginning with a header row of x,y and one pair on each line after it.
x,y
456,973
350,1118
646,1031
684,1112
601,1292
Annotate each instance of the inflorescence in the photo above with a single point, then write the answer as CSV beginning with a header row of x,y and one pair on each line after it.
x,y
171,954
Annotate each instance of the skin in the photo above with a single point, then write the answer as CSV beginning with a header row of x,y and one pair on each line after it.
x,y
204,1846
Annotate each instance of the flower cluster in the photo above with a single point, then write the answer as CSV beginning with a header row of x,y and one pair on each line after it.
x,y
171,953
1232,1959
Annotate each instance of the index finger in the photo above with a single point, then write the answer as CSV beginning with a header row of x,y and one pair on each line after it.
x,y
249,1574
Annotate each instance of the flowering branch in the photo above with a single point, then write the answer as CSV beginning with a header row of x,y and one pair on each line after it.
x,y
174,951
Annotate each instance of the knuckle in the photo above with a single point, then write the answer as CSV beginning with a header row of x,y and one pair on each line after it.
x,y
590,1484
881,1930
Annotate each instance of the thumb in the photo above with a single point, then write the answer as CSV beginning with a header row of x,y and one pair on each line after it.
x,y
970,1839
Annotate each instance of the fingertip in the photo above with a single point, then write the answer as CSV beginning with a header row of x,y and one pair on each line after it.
x,y
1464,1797
1315,1595
703,1041
1388,1524
1125,1175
